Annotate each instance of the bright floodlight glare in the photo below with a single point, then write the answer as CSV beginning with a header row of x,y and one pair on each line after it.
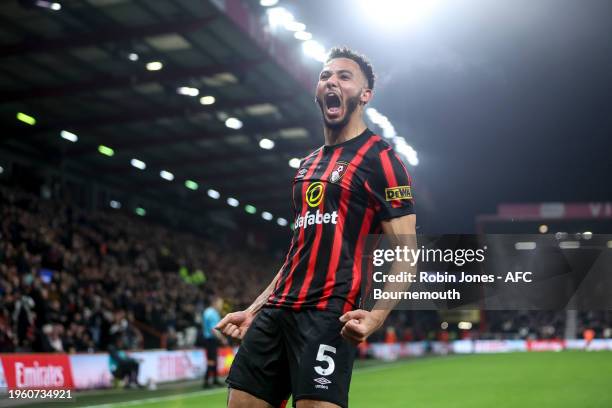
x,y
295,163
105,150
394,14
48,5
388,131
525,246
295,26
232,202
25,118
268,3
214,194
188,91
132,56
192,185
314,50
282,222
266,144
69,136
250,209
233,123
303,35
406,150
154,66
543,229
267,216
166,175
207,100
115,204
569,244
464,325
139,164
279,17
140,211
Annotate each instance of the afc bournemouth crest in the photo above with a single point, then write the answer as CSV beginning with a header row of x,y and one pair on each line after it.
x,y
301,173
338,171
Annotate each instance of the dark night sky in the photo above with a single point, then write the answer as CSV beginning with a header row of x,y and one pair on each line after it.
x,y
504,101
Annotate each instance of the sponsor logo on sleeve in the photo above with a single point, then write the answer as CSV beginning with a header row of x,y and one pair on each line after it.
x,y
398,193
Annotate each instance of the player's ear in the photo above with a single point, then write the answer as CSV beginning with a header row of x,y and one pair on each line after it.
x,y
366,96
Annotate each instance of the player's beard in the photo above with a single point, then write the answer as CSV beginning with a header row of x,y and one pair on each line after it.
x,y
351,105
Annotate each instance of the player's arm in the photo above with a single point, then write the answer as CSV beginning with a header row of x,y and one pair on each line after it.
x,y
359,324
236,324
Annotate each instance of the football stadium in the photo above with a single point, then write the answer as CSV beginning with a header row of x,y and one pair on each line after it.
x,y
274,203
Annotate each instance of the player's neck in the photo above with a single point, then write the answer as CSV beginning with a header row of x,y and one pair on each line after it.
x,y
352,129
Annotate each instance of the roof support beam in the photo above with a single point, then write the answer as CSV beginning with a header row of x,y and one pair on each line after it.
x,y
97,37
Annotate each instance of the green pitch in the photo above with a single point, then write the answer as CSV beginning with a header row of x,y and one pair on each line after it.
x,y
565,379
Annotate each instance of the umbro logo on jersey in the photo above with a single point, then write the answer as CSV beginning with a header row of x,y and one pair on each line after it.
x,y
338,171
301,172
398,193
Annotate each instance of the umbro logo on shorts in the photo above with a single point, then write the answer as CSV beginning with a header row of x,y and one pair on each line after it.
x,y
322,383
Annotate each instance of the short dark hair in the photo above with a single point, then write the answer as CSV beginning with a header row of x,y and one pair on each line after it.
x,y
360,59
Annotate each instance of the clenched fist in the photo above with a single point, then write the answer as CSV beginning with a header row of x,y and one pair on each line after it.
x,y
359,324
235,324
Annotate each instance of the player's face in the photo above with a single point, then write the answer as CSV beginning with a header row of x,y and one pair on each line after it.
x,y
341,87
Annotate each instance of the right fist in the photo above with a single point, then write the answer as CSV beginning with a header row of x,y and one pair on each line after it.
x,y
235,324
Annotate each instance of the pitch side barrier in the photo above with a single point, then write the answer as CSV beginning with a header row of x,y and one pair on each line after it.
x,y
391,352
61,371
487,272
69,372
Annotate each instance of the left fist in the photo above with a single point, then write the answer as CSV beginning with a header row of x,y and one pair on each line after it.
x,y
358,325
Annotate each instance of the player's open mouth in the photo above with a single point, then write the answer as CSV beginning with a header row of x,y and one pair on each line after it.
x,y
332,104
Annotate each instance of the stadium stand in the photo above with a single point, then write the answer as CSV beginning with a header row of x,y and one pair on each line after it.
x,y
72,280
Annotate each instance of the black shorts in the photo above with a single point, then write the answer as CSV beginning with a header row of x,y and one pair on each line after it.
x,y
211,346
300,353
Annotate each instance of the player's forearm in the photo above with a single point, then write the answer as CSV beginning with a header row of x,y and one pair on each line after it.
x,y
263,297
383,307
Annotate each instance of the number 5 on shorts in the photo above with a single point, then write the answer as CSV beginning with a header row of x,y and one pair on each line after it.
x,y
321,356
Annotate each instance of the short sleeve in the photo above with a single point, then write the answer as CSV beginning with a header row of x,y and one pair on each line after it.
x,y
390,186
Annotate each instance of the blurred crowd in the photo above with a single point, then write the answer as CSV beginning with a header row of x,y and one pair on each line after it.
x,y
429,325
75,281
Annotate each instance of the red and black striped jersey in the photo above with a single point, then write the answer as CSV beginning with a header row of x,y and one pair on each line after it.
x,y
341,193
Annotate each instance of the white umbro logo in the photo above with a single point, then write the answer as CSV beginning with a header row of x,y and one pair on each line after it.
x,y
322,380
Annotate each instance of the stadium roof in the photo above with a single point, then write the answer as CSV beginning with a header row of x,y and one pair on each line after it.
x,y
85,69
